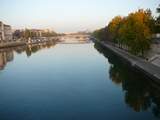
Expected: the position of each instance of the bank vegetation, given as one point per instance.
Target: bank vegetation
(133, 32)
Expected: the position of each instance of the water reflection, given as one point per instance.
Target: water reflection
(7, 54)
(140, 92)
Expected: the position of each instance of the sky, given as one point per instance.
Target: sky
(68, 15)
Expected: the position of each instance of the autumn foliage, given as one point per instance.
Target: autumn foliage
(132, 32)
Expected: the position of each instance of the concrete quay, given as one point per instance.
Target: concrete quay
(22, 43)
(142, 65)
(12, 44)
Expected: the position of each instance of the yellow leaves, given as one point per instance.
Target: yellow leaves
(114, 23)
(114, 26)
(133, 30)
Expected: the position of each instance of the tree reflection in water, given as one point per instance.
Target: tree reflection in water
(7, 54)
(140, 92)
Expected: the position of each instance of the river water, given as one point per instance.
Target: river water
(73, 82)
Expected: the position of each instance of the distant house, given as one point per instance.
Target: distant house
(1, 31)
(5, 32)
(8, 32)
(36, 32)
(156, 38)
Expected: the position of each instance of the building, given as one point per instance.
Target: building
(5, 32)
(1, 31)
(36, 32)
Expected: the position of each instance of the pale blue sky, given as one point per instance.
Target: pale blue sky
(67, 15)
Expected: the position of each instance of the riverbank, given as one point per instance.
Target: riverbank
(147, 68)
(12, 44)
(21, 43)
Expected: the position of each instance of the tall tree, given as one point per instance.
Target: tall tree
(113, 28)
(157, 23)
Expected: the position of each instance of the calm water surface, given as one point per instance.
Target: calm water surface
(73, 82)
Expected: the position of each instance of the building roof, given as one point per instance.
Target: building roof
(6, 25)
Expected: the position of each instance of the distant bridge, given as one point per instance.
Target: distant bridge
(74, 38)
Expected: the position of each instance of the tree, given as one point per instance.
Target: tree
(27, 33)
(157, 27)
(158, 9)
(114, 26)
(139, 32)
(133, 31)
(101, 34)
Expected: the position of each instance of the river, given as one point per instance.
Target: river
(73, 82)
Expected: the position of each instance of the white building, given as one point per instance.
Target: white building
(1, 31)
(5, 32)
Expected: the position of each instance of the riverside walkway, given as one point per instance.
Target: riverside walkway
(24, 42)
(12, 44)
(149, 69)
